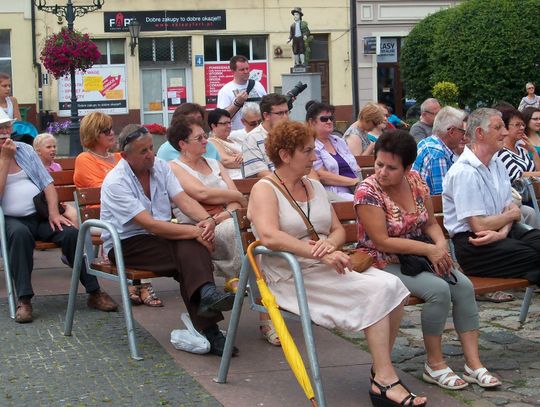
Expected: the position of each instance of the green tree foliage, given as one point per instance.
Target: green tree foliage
(488, 48)
(447, 93)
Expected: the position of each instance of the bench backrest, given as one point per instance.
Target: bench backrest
(67, 163)
(88, 201)
(61, 178)
(245, 185)
(366, 164)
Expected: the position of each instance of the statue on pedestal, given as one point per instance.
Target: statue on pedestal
(300, 37)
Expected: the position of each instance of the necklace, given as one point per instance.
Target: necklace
(99, 155)
(295, 201)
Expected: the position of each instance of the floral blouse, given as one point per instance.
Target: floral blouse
(398, 222)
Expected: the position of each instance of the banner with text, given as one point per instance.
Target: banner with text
(218, 74)
(99, 88)
(166, 20)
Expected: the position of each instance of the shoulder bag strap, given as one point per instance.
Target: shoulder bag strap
(311, 230)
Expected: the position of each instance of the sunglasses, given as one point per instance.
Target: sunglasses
(107, 131)
(133, 136)
(325, 119)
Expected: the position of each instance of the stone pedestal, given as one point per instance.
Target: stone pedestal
(312, 92)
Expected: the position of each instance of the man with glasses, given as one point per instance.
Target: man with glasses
(274, 109)
(479, 212)
(436, 153)
(136, 199)
(23, 177)
(240, 90)
(423, 127)
(250, 116)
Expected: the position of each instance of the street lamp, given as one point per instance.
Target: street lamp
(134, 30)
(70, 12)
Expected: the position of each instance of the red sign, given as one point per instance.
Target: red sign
(218, 74)
(176, 95)
(110, 82)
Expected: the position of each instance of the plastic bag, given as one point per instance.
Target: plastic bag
(189, 340)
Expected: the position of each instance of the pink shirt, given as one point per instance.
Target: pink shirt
(54, 167)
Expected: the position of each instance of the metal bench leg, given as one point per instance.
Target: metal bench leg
(75, 275)
(7, 272)
(233, 323)
(305, 318)
(525, 304)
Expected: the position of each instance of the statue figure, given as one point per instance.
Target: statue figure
(300, 36)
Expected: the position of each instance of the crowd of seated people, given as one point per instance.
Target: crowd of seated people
(471, 161)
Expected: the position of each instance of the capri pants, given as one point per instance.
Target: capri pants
(437, 295)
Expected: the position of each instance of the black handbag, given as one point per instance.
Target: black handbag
(42, 208)
(412, 265)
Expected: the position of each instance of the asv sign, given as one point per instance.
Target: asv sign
(387, 50)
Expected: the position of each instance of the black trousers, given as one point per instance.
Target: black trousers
(22, 234)
(187, 261)
(518, 255)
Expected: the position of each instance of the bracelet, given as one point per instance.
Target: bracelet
(237, 104)
(211, 217)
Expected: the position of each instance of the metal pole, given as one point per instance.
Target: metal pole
(74, 140)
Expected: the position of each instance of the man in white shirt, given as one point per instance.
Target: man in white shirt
(274, 109)
(479, 214)
(136, 199)
(250, 116)
(234, 94)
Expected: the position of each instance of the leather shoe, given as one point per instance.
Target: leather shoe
(24, 312)
(214, 303)
(102, 301)
(217, 340)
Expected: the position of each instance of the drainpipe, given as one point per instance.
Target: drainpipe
(36, 63)
(354, 59)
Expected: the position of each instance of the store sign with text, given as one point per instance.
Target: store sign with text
(164, 20)
(99, 88)
(218, 74)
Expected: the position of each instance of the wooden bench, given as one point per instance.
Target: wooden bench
(67, 163)
(366, 164)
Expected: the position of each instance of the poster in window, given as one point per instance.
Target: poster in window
(100, 88)
(218, 74)
(176, 95)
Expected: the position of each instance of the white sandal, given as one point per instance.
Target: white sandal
(481, 377)
(445, 378)
(270, 335)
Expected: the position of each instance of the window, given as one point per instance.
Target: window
(5, 52)
(112, 52)
(168, 49)
(222, 48)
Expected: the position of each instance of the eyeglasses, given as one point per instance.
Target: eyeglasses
(107, 131)
(517, 125)
(281, 113)
(461, 130)
(224, 123)
(427, 111)
(132, 136)
(253, 123)
(325, 119)
(198, 139)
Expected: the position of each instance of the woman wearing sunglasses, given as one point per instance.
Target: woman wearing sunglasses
(91, 167)
(335, 166)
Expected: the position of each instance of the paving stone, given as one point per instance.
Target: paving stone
(451, 350)
(400, 353)
(90, 368)
(535, 365)
(500, 337)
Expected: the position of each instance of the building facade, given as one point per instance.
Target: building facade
(182, 54)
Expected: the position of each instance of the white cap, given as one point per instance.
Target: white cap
(4, 118)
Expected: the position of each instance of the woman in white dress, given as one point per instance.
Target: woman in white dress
(219, 121)
(338, 298)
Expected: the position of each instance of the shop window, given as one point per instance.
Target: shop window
(5, 52)
(169, 49)
(112, 52)
(222, 48)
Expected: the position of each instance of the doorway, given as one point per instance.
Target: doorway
(163, 90)
(318, 62)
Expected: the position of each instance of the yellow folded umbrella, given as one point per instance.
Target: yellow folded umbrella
(287, 343)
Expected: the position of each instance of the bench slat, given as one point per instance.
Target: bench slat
(105, 266)
(245, 185)
(61, 178)
(67, 163)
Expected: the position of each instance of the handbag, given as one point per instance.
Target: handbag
(42, 208)
(412, 264)
(361, 261)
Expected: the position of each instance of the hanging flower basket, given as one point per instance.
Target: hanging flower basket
(68, 49)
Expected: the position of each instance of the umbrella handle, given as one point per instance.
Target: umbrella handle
(251, 258)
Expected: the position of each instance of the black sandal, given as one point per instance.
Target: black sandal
(382, 400)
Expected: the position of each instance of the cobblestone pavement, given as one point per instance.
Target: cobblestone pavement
(41, 367)
(509, 350)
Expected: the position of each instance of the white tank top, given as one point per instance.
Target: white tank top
(18, 199)
(9, 108)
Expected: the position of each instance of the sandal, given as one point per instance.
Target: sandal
(151, 300)
(496, 297)
(445, 378)
(231, 285)
(269, 334)
(382, 400)
(134, 292)
(481, 377)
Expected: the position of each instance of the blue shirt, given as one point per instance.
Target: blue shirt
(168, 153)
(433, 161)
(31, 164)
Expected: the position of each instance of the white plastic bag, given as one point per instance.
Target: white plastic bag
(189, 339)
